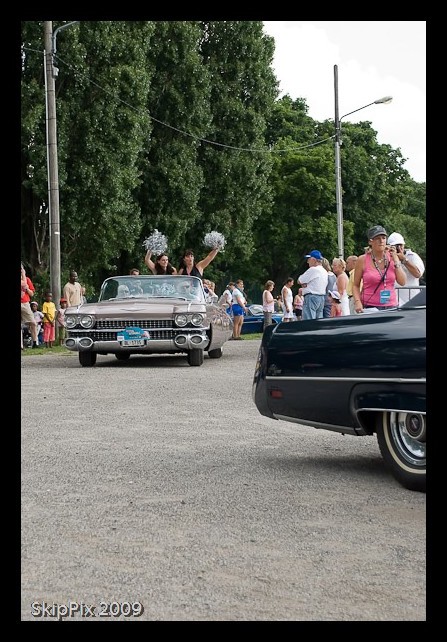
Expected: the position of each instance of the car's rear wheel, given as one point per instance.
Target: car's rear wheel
(402, 442)
(122, 356)
(195, 357)
(87, 359)
(215, 354)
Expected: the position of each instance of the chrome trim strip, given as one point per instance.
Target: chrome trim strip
(314, 424)
(342, 379)
(411, 412)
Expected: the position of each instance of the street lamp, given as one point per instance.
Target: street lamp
(338, 186)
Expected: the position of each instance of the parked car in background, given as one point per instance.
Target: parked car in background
(148, 315)
(356, 375)
(254, 319)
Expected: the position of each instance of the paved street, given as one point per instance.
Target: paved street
(155, 491)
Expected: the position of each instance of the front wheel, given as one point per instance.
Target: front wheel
(402, 442)
(195, 357)
(87, 359)
(122, 356)
(215, 354)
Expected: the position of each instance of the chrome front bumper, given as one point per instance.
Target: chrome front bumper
(182, 342)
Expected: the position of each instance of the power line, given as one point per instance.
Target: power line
(270, 150)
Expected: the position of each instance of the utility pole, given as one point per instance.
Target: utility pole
(52, 165)
(338, 185)
(338, 142)
(51, 72)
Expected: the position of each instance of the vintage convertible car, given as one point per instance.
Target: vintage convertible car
(355, 375)
(145, 315)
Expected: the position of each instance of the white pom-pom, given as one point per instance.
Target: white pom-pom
(156, 243)
(215, 240)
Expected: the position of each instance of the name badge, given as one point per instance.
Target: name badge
(385, 296)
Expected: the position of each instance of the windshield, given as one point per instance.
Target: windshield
(148, 287)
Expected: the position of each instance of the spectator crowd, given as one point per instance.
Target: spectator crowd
(385, 275)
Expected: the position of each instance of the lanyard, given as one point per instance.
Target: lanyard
(385, 270)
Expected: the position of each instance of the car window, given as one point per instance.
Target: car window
(189, 288)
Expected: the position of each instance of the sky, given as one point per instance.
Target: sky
(374, 59)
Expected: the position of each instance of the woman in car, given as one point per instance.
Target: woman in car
(161, 265)
(190, 268)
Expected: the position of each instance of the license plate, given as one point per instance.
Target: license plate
(133, 342)
(132, 337)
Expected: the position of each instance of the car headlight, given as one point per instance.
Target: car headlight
(71, 320)
(197, 319)
(87, 321)
(181, 320)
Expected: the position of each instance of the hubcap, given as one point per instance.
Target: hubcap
(409, 434)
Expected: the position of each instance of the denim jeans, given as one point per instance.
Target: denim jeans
(313, 306)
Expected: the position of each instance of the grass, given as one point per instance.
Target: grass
(43, 350)
(251, 336)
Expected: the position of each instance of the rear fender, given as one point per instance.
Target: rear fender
(367, 404)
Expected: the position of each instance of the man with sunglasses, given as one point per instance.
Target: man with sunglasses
(412, 265)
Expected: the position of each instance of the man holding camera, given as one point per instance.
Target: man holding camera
(412, 265)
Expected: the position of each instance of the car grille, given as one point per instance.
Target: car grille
(120, 324)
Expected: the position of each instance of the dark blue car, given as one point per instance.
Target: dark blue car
(254, 319)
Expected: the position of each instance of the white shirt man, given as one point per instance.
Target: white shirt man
(412, 265)
(314, 282)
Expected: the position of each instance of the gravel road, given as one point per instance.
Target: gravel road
(153, 483)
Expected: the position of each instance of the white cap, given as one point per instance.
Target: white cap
(334, 294)
(396, 239)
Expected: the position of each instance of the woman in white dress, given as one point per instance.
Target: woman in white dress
(287, 299)
(338, 268)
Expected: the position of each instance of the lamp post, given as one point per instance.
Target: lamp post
(51, 71)
(338, 185)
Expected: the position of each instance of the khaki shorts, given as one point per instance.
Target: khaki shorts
(27, 315)
(61, 333)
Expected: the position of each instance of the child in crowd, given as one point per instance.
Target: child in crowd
(38, 315)
(49, 318)
(335, 300)
(60, 322)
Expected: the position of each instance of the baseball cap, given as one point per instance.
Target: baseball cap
(34, 303)
(314, 254)
(334, 294)
(376, 231)
(63, 301)
(396, 239)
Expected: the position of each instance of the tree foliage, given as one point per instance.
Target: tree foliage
(177, 126)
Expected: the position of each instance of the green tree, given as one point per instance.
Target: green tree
(172, 178)
(237, 56)
(104, 125)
